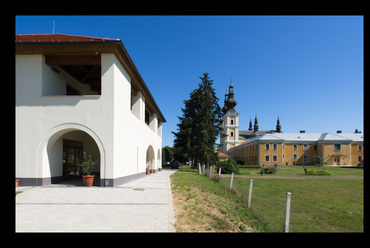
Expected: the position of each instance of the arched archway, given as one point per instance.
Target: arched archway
(62, 147)
(150, 159)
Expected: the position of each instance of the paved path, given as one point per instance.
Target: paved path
(142, 205)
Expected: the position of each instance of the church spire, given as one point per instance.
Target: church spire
(231, 102)
(278, 126)
(255, 124)
(250, 125)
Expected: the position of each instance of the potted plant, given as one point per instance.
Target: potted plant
(86, 166)
(147, 171)
(16, 182)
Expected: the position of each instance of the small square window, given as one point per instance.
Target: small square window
(359, 148)
(267, 146)
(359, 159)
(267, 158)
(274, 158)
(337, 147)
(305, 147)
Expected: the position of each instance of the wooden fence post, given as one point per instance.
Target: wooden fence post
(287, 212)
(210, 172)
(250, 193)
(231, 182)
(219, 171)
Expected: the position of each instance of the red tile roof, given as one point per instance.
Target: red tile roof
(220, 154)
(57, 38)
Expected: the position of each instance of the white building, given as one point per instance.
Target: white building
(79, 94)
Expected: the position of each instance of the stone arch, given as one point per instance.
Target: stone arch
(49, 154)
(150, 157)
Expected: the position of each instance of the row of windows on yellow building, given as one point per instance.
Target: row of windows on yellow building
(276, 149)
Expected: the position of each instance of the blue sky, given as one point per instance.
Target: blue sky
(306, 69)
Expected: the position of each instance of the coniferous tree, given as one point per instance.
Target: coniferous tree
(199, 126)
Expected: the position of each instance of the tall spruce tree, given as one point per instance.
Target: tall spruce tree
(199, 126)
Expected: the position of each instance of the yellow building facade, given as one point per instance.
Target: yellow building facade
(301, 148)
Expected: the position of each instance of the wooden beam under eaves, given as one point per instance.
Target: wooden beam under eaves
(73, 60)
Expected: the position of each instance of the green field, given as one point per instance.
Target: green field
(332, 203)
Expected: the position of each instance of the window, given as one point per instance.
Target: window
(146, 117)
(337, 147)
(295, 146)
(267, 147)
(274, 158)
(295, 156)
(274, 147)
(283, 147)
(283, 156)
(231, 134)
(267, 158)
(359, 148)
(232, 122)
(359, 159)
(315, 147)
(305, 158)
(305, 147)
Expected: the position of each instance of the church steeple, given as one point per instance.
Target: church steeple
(255, 124)
(278, 126)
(250, 125)
(230, 101)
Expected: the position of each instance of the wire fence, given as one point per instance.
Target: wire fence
(228, 181)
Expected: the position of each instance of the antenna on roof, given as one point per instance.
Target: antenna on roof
(53, 26)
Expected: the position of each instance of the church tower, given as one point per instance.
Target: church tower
(229, 137)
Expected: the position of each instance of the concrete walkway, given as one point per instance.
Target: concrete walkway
(142, 205)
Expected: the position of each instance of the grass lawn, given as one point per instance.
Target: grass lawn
(319, 203)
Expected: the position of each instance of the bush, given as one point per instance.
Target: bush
(228, 167)
(315, 173)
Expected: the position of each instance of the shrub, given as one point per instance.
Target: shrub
(268, 170)
(315, 173)
(228, 167)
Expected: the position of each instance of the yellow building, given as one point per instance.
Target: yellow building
(303, 148)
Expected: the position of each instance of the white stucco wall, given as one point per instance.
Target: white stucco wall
(43, 114)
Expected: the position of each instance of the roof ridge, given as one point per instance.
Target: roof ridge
(57, 37)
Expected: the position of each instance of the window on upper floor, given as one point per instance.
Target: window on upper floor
(359, 148)
(337, 147)
(146, 117)
(267, 147)
(274, 147)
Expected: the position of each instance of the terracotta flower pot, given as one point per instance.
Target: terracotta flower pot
(88, 180)
(147, 172)
(151, 171)
(16, 182)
